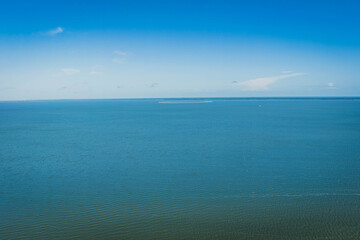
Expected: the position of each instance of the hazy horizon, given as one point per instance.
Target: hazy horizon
(195, 98)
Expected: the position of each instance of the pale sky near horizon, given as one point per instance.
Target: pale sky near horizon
(140, 49)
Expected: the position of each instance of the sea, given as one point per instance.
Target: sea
(212, 169)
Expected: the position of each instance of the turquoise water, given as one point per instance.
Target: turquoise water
(147, 169)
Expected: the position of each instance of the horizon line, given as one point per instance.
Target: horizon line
(190, 98)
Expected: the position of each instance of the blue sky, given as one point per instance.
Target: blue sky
(129, 49)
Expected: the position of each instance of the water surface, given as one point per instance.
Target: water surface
(139, 169)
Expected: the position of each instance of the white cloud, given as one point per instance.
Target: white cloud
(119, 60)
(121, 57)
(95, 73)
(261, 84)
(120, 53)
(55, 31)
(331, 85)
(70, 71)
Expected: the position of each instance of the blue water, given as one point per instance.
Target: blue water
(147, 169)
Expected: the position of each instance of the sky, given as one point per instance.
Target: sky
(160, 49)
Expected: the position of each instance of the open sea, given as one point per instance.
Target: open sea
(209, 169)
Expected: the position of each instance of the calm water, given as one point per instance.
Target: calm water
(140, 169)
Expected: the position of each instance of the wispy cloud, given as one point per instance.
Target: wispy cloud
(119, 60)
(70, 71)
(331, 85)
(121, 57)
(55, 31)
(95, 73)
(120, 53)
(63, 88)
(153, 85)
(262, 84)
